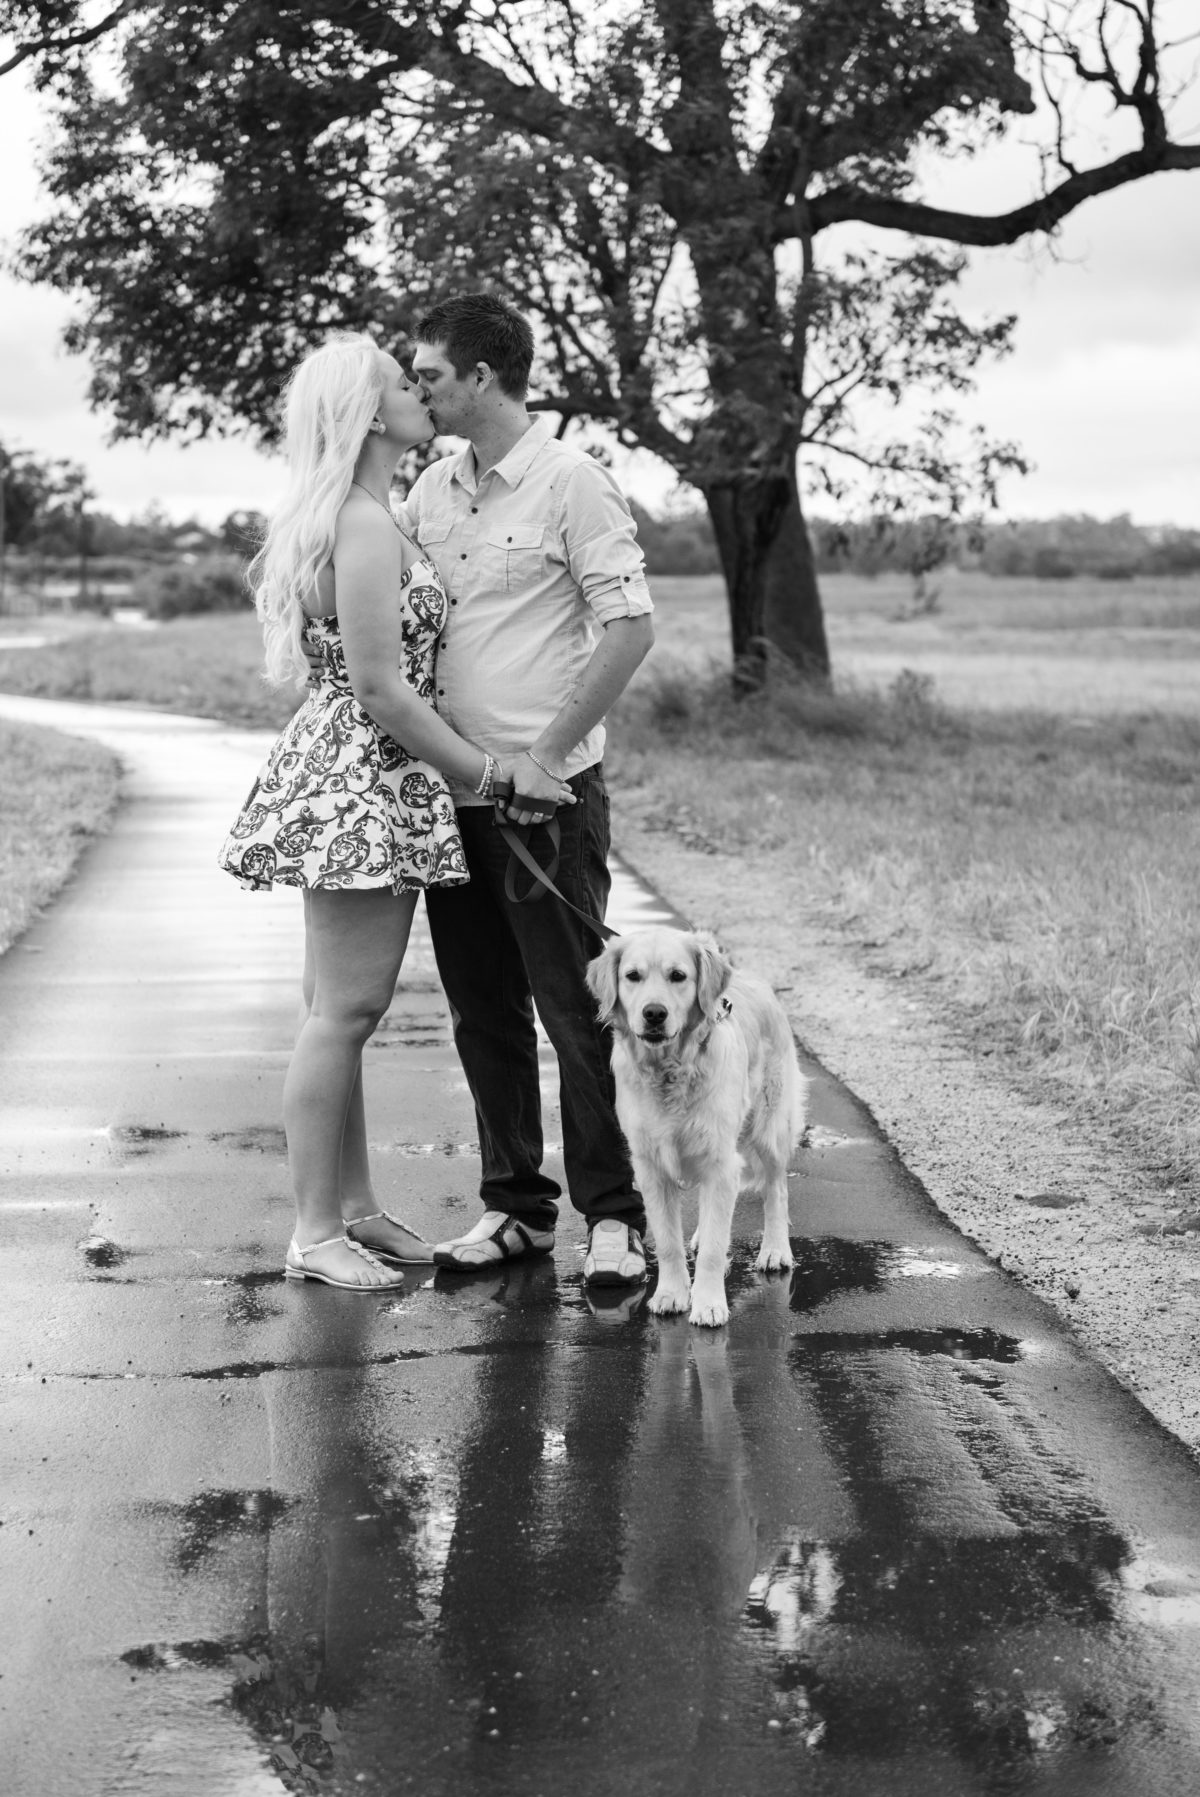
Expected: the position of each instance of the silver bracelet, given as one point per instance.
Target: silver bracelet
(546, 770)
(484, 789)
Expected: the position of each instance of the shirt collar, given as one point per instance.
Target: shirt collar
(511, 468)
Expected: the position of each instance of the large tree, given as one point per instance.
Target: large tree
(656, 180)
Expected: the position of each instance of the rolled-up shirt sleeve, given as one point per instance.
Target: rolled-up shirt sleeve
(600, 539)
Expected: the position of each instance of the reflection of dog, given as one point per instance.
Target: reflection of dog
(708, 1088)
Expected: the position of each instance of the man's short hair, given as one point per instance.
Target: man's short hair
(481, 327)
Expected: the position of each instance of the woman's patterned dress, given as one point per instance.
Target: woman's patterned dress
(338, 803)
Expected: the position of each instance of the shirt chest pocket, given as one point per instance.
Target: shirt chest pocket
(515, 554)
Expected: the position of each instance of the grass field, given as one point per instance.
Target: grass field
(56, 793)
(1000, 796)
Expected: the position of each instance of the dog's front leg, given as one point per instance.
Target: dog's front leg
(663, 1208)
(718, 1195)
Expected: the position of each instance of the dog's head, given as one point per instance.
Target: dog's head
(657, 984)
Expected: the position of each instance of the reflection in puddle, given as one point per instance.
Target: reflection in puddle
(211, 1516)
(956, 1344)
(699, 1563)
(828, 1266)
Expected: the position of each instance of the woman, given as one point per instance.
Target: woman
(340, 809)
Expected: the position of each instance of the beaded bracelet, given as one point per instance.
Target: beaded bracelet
(484, 789)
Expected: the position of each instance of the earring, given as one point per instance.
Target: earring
(377, 425)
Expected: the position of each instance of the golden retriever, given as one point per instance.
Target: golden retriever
(709, 1093)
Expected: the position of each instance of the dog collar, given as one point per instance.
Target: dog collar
(725, 1007)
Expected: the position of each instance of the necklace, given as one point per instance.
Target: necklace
(379, 502)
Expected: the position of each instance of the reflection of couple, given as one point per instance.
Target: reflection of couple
(467, 634)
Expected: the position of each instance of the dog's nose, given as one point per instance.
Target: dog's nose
(654, 1014)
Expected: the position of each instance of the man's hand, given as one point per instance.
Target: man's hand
(532, 783)
(314, 661)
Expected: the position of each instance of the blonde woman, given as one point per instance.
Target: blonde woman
(340, 808)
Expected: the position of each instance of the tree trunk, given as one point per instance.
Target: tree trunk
(771, 578)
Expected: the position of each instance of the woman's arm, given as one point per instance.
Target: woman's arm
(368, 564)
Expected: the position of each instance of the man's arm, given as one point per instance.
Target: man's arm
(600, 539)
(613, 662)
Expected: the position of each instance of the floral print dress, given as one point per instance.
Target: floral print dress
(339, 804)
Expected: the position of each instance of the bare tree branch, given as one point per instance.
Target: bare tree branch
(844, 203)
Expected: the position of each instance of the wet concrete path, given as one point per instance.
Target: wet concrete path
(890, 1532)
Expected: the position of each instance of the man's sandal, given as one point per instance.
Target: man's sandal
(495, 1238)
(392, 1255)
(296, 1267)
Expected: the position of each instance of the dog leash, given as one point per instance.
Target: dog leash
(516, 838)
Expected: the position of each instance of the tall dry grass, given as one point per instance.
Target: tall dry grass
(1041, 873)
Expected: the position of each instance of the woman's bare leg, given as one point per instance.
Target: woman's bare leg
(358, 1191)
(355, 946)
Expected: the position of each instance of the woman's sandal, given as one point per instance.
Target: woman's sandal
(297, 1269)
(390, 1254)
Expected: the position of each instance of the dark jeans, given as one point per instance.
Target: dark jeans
(496, 960)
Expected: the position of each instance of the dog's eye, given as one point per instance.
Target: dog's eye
(633, 974)
(677, 976)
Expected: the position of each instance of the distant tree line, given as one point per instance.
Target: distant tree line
(682, 542)
(51, 534)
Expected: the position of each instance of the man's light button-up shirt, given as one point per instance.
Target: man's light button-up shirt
(536, 555)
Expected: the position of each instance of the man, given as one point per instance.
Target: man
(536, 547)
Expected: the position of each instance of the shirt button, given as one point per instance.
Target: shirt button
(441, 692)
(454, 602)
(474, 508)
(463, 556)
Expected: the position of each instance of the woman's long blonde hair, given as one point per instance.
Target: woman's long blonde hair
(330, 401)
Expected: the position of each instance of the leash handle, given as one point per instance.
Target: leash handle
(517, 840)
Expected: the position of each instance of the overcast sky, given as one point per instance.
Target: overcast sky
(1103, 392)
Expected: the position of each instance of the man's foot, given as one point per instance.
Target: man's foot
(496, 1237)
(390, 1238)
(615, 1255)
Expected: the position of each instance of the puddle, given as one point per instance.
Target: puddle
(98, 1251)
(211, 1515)
(129, 1140)
(818, 1138)
(262, 1139)
(448, 1149)
(828, 1266)
(1050, 1200)
(956, 1344)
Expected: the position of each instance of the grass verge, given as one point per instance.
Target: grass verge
(57, 794)
(206, 667)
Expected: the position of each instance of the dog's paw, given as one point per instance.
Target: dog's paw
(669, 1300)
(774, 1260)
(709, 1313)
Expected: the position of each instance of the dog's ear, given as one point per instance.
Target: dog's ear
(713, 971)
(601, 976)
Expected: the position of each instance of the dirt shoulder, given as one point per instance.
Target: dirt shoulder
(1043, 1193)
